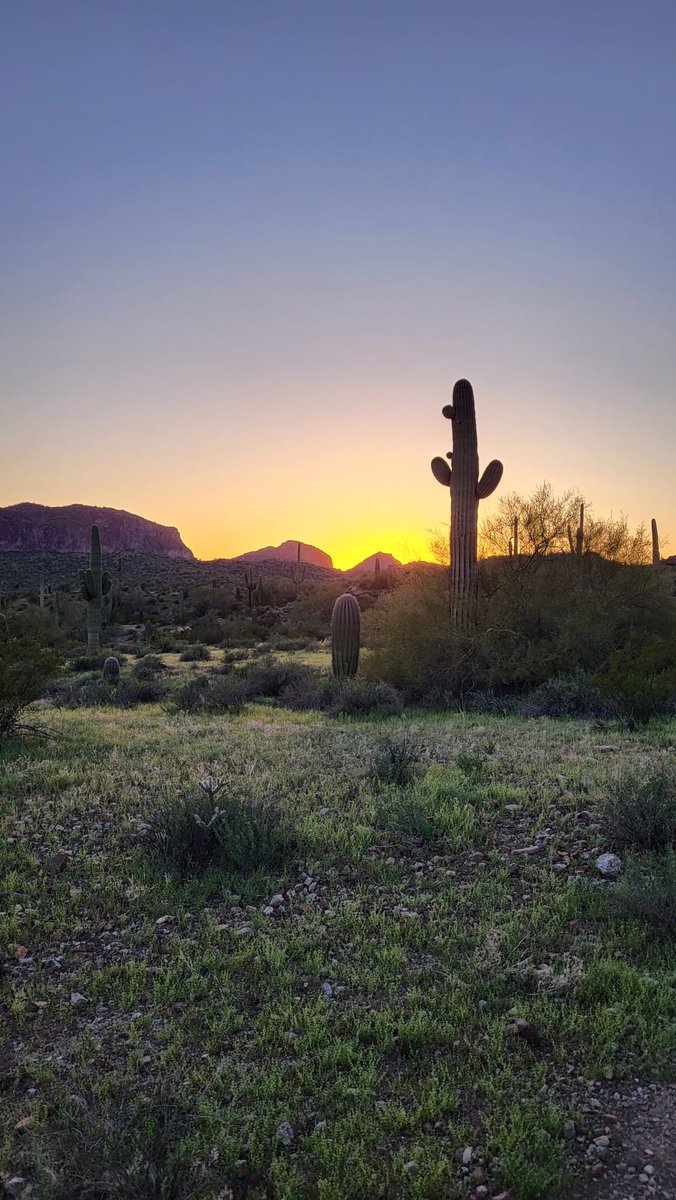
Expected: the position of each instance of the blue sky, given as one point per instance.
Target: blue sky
(247, 248)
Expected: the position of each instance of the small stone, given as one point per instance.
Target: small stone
(602, 1142)
(598, 1169)
(77, 998)
(243, 931)
(163, 921)
(649, 1169)
(643, 1178)
(277, 900)
(411, 1168)
(57, 862)
(467, 1156)
(285, 1133)
(609, 865)
(569, 1130)
(327, 989)
(268, 911)
(481, 1191)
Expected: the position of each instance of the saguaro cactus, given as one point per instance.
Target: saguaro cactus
(467, 489)
(656, 543)
(577, 546)
(94, 585)
(345, 631)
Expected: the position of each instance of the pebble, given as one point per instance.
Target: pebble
(285, 1133)
(467, 1156)
(609, 865)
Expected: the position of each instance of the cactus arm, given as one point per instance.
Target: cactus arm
(441, 471)
(489, 480)
(90, 583)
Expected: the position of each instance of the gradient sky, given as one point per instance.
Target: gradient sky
(248, 246)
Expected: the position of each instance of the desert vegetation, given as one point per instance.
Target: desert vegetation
(323, 887)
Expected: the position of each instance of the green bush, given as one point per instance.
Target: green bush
(211, 693)
(195, 653)
(568, 696)
(394, 759)
(356, 697)
(407, 816)
(646, 892)
(640, 811)
(25, 670)
(640, 676)
(217, 828)
(559, 618)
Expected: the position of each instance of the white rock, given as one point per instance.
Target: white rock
(609, 865)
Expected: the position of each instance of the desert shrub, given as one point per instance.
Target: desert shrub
(115, 1145)
(560, 617)
(281, 642)
(641, 676)
(271, 676)
(140, 691)
(25, 670)
(215, 693)
(236, 655)
(568, 696)
(148, 667)
(195, 653)
(394, 759)
(215, 827)
(355, 697)
(208, 629)
(91, 662)
(410, 639)
(472, 762)
(646, 891)
(405, 815)
(640, 811)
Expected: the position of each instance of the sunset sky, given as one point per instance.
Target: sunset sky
(248, 245)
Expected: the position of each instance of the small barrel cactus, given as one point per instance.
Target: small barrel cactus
(345, 631)
(111, 670)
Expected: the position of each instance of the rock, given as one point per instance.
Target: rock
(77, 998)
(57, 862)
(609, 865)
(163, 921)
(327, 989)
(411, 1168)
(277, 900)
(467, 1156)
(569, 1130)
(285, 1133)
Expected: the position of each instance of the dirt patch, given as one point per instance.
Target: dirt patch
(633, 1154)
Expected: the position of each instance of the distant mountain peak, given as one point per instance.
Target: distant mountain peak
(288, 552)
(384, 561)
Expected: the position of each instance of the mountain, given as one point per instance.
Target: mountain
(67, 529)
(288, 552)
(367, 566)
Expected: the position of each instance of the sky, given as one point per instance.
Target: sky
(247, 246)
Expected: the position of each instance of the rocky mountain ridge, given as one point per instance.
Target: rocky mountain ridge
(66, 529)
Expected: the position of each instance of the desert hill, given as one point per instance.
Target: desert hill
(288, 552)
(367, 566)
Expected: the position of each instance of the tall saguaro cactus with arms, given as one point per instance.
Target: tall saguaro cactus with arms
(95, 583)
(466, 489)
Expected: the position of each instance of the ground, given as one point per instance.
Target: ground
(430, 997)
